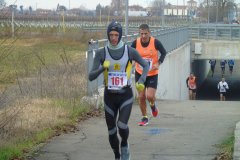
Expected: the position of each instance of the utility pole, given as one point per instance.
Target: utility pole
(217, 13)
(100, 16)
(126, 18)
(163, 18)
(12, 23)
(207, 11)
(13, 8)
(63, 19)
(207, 17)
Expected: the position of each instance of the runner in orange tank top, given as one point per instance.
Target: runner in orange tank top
(152, 50)
(192, 86)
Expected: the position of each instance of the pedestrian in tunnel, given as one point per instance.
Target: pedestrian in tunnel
(115, 62)
(212, 63)
(222, 87)
(149, 48)
(222, 65)
(230, 65)
(192, 86)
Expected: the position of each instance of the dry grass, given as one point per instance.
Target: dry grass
(28, 117)
(42, 82)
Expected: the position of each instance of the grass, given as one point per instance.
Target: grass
(53, 66)
(9, 152)
(26, 59)
(17, 150)
(226, 149)
(40, 121)
(24, 54)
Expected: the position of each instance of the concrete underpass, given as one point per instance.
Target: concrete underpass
(207, 89)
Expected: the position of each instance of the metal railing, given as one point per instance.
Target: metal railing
(216, 31)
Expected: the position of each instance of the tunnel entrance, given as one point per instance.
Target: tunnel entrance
(207, 90)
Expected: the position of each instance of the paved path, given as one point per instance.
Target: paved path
(184, 130)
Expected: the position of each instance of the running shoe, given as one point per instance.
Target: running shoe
(154, 110)
(143, 122)
(125, 154)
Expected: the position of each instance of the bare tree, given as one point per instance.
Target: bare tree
(219, 10)
(30, 9)
(118, 6)
(2, 4)
(21, 9)
(157, 7)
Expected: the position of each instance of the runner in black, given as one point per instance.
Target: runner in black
(115, 62)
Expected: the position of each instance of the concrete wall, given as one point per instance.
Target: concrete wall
(215, 49)
(173, 73)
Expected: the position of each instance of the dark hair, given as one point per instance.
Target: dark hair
(144, 26)
(115, 26)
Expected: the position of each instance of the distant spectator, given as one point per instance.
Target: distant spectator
(235, 22)
(222, 64)
(192, 86)
(222, 87)
(230, 65)
(212, 63)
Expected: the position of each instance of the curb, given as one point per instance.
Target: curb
(236, 151)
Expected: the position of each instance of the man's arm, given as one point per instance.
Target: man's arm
(96, 70)
(187, 81)
(161, 49)
(134, 44)
(227, 86)
(134, 55)
(196, 82)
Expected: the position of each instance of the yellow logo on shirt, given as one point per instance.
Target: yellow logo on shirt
(117, 67)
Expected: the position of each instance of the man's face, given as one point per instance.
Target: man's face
(145, 35)
(113, 35)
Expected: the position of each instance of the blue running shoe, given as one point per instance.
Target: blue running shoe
(125, 154)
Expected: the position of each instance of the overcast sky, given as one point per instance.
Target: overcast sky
(90, 4)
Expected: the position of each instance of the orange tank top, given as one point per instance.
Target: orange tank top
(150, 54)
(192, 83)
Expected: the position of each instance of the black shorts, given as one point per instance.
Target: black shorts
(151, 81)
(223, 93)
(193, 90)
(212, 68)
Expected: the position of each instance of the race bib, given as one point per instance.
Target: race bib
(117, 80)
(150, 63)
(222, 89)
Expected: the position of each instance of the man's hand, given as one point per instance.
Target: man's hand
(140, 87)
(106, 64)
(156, 66)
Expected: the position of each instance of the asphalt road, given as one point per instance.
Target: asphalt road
(184, 130)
